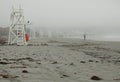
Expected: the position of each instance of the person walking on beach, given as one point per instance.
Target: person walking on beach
(84, 36)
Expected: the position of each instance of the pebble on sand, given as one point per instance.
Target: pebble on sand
(82, 62)
(96, 78)
(24, 71)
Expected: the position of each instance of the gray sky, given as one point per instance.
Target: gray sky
(97, 16)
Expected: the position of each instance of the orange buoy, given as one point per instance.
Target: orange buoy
(27, 37)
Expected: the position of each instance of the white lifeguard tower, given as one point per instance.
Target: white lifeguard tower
(17, 28)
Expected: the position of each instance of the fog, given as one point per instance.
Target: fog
(99, 19)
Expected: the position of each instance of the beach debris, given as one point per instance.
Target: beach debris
(33, 44)
(82, 62)
(18, 67)
(5, 59)
(44, 44)
(72, 64)
(7, 76)
(90, 61)
(55, 62)
(64, 75)
(24, 71)
(96, 78)
(19, 59)
(97, 61)
(4, 63)
(27, 58)
(38, 62)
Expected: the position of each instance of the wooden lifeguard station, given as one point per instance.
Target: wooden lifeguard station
(17, 28)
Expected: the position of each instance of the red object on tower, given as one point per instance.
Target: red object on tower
(27, 37)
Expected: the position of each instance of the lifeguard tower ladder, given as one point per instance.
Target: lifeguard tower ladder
(17, 28)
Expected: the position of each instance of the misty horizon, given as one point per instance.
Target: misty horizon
(98, 18)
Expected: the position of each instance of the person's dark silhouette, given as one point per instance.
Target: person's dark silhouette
(84, 36)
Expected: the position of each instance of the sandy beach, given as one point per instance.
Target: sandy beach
(61, 60)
